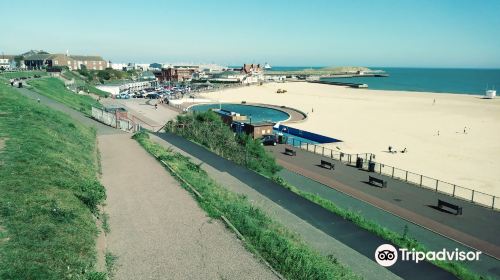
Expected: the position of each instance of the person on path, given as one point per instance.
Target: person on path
(38, 100)
(156, 106)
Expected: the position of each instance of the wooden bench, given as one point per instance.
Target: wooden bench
(372, 180)
(290, 152)
(327, 164)
(442, 203)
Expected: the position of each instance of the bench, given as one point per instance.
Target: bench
(372, 180)
(327, 164)
(442, 203)
(290, 152)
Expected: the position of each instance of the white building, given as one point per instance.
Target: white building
(4, 63)
(117, 66)
(135, 86)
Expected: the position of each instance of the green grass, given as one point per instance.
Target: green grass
(11, 75)
(283, 250)
(55, 89)
(83, 84)
(92, 89)
(48, 193)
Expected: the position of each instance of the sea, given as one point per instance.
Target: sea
(438, 80)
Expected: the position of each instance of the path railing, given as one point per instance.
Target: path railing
(369, 163)
(327, 152)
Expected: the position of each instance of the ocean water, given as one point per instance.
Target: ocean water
(461, 81)
(257, 113)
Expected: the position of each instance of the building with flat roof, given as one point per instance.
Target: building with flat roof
(131, 86)
(73, 62)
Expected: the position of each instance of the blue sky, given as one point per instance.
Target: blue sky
(425, 33)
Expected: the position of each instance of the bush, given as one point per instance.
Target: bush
(207, 129)
(92, 193)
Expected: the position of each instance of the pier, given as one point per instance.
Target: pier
(352, 85)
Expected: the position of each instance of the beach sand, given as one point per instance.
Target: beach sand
(372, 120)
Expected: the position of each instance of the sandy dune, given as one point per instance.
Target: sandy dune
(370, 121)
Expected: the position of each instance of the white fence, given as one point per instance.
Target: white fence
(114, 120)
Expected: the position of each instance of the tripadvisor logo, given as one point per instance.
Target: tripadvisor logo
(387, 255)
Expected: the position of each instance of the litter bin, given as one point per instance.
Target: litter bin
(371, 166)
(282, 139)
(359, 162)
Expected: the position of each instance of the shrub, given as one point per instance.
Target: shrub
(207, 129)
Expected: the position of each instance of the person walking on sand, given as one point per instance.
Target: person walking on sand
(434, 102)
(438, 132)
(156, 106)
(465, 130)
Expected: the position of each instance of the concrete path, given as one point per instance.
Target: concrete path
(275, 201)
(157, 229)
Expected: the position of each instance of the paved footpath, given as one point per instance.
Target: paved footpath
(157, 229)
(321, 229)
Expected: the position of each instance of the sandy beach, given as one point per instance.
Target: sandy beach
(429, 125)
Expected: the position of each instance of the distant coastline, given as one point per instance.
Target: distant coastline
(433, 80)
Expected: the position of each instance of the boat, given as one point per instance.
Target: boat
(267, 66)
(490, 93)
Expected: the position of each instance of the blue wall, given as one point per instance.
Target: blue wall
(307, 135)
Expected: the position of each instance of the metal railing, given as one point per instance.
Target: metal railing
(413, 178)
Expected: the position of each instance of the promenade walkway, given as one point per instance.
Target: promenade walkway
(486, 265)
(321, 229)
(478, 227)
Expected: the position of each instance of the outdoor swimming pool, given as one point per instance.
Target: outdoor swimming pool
(256, 113)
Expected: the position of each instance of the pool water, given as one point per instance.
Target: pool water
(298, 139)
(256, 113)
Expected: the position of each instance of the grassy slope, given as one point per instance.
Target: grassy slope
(55, 89)
(81, 82)
(283, 250)
(10, 75)
(48, 191)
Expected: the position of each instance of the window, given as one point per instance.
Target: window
(69, 62)
(56, 62)
(100, 62)
(85, 62)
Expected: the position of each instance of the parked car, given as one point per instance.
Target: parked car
(153, 96)
(269, 139)
(123, 96)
